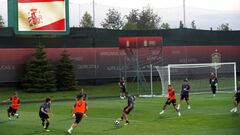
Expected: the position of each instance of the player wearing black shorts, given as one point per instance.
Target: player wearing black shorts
(79, 109)
(236, 100)
(171, 100)
(128, 108)
(44, 112)
(12, 110)
(213, 82)
(185, 94)
(122, 85)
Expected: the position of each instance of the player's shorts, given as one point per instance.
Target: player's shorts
(184, 96)
(237, 100)
(78, 117)
(12, 110)
(129, 110)
(173, 101)
(123, 89)
(43, 115)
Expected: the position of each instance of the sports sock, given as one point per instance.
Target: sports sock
(70, 128)
(43, 122)
(47, 124)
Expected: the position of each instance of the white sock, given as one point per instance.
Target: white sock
(178, 106)
(70, 128)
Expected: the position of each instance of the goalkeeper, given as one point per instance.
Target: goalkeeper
(213, 82)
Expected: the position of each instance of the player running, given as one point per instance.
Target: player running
(213, 82)
(236, 100)
(44, 113)
(79, 109)
(128, 108)
(12, 110)
(122, 85)
(171, 99)
(185, 94)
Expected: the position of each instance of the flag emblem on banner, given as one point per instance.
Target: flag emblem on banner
(34, 17)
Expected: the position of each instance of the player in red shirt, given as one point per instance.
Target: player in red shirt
(171, 99)
(12, 110)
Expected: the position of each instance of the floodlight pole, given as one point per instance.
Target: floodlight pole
(93, 13)
(184, 18)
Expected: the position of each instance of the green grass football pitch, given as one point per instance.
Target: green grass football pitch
(208, 116)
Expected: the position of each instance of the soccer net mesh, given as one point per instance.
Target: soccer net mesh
(198, 76)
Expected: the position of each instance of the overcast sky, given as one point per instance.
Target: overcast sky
(206, 13)
(205, 4)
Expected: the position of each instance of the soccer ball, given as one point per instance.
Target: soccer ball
(117, 123)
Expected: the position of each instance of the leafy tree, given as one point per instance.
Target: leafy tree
(224, 27)
(165, 26)
(113, 20)
(39, 73)
(148, 19)
(65, 73)
(1, 21)
(193, 25)
(86, 21)
(132, 20)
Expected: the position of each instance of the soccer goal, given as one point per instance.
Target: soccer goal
(198, 76)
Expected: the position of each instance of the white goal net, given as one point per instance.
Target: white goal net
(198, 76)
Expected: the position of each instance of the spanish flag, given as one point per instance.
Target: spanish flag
(41, 15)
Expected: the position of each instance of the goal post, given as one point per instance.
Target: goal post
(198, 76)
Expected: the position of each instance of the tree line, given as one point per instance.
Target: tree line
(41, 76)
(146, 19)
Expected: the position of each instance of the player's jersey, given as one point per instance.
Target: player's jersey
(213, 81)
(45, 107)
(122, 84)
(15, 102)
(238, 93)
(171, 93)
(185, 89)
(80, 106)
(131, 100)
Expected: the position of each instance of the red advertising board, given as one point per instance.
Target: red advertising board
(139, 42)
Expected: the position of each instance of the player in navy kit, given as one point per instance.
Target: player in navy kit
(128, 108)
(122, 85)
(236, 100)
(185, 93)
(44, 112)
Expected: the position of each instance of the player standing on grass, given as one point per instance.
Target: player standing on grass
(171, 99)
(83, 94)
(185, 94)
(12, 110)
(79, 109)
(236, 100)
(122, 85)
(44, 112)
(128, 108)
(213, 82)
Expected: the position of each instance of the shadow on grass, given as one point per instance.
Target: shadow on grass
(2, 122)
(235, 114)
(38, 132)
(114, 128)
